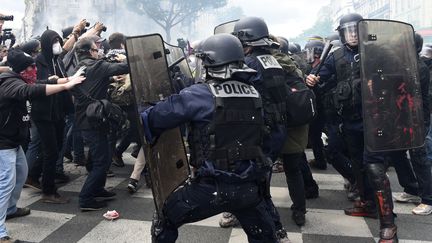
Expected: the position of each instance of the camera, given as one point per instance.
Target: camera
(104, 28)
(87, 24)
(7, 18)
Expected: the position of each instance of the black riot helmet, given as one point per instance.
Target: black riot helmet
(252, 31)
(418, 42)
(221, 49)
(348, 29)
(293, 48)
(284, 44)
(313, 49)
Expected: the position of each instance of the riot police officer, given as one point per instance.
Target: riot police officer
(343, 64)
(270, 83)
(328, 118)
(226, 132)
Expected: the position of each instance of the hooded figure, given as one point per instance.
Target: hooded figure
(48, 114)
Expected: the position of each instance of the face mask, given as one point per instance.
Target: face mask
(29, 76)
(57, 49)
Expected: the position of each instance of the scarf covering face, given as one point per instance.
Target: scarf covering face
(29, 76)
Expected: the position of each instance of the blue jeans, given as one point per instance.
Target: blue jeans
(67, 142)
(13, 173)
(428, 142)
(100, 153)
(33, 150)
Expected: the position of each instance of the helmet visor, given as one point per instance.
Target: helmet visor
(349, 31)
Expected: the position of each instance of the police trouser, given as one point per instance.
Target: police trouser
(335, 154)
(376, 184)
(197, 201)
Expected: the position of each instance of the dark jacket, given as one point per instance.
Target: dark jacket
(53, 107)
(13, 116)
(98, 75)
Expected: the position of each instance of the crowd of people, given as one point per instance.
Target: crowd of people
(236, 141)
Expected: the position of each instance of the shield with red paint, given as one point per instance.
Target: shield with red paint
(391, 94)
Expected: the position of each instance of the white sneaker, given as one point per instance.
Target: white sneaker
(407, 198)
(422, 209)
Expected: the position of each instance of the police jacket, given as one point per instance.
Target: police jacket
(270, 83)
(226, 125)
(340, 75)
(98, 73)
(13, 116)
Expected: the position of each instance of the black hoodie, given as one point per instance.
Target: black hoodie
(54, 107)
(13, 116)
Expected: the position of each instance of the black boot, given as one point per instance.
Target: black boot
(384, 202)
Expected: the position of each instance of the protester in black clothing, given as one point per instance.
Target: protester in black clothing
(48, 115)
(98, 73)
(16, 87)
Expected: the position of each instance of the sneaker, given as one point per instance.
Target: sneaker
(317, 165)
(407, 198)
(422, 209)
(117, 160)
(54, 198)
(19, 213)
(93, 206)
(6, 239)
(33, 184)
(299, 218)
(132, 186)
(282, 236)
(61, 178)
(362, 209)
(277, 167)
(105, 195)
(110, 173)
(312, 192)
(228, 220)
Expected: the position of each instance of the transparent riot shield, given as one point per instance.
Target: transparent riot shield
(151, 83)
(391, 95)
(227, 27)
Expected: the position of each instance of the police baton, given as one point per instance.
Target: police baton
(328, 46)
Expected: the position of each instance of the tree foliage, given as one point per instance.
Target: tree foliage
(323, 27)
(169, 13)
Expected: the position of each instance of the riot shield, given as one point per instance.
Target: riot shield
(390, 86)
(151, 83)
(227, 27)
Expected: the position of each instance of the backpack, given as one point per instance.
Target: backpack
(300, 101)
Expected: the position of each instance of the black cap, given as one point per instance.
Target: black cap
(18, 60)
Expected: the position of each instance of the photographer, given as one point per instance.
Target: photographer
(98, 73)
(15, 88)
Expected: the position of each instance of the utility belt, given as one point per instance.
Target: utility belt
(225, 159)
(347, 99)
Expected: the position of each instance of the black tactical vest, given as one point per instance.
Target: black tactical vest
(347, 93)
(273, 89)
(236, 131)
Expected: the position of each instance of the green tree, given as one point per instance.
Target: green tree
(323, 27)
(169, 13)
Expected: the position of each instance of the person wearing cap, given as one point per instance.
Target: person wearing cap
(16, 87)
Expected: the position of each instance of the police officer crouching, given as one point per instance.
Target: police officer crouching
(227, 126)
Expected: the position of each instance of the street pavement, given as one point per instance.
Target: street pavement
(325, 220)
